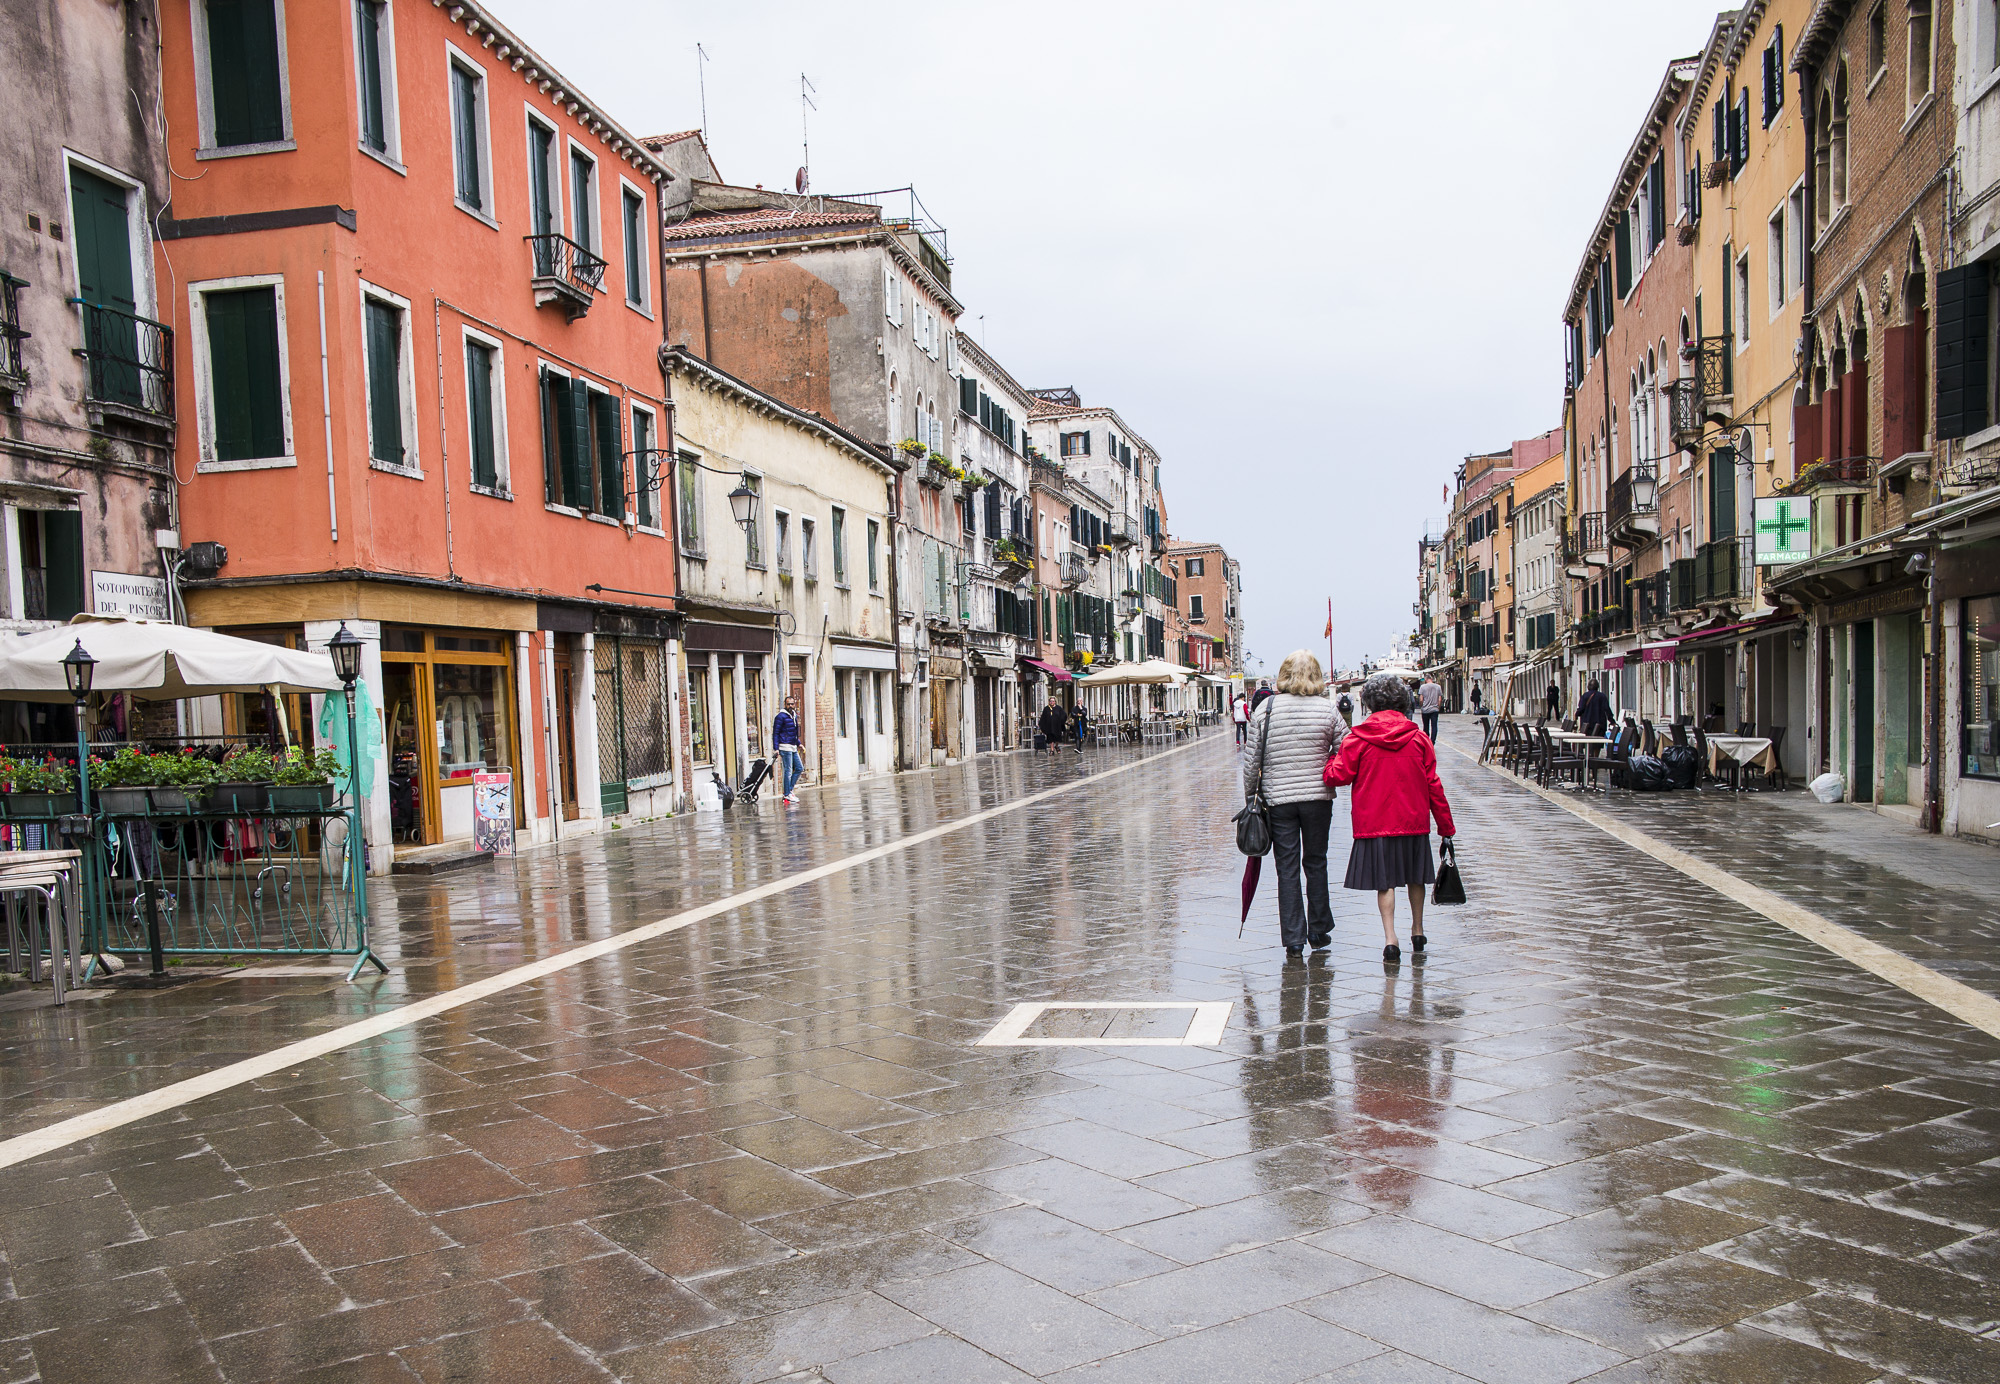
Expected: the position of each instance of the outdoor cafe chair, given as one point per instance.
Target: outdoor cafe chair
(1652, 741)
(40, 893)
(1559, 762)
(1755, 774)
(1679, 729)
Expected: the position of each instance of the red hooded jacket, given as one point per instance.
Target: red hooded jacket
(1394, 772)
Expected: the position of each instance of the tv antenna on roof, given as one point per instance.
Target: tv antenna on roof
(701, 79)
(806, 92)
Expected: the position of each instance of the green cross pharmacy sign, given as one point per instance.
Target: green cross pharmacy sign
(1784, 530)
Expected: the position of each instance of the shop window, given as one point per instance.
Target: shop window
(1979, 663)
(698, 717)
(633, 732)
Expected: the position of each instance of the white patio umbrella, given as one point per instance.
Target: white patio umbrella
(155, 660)
(1153, 672)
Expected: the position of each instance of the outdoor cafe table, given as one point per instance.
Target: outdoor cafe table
(1741, 750)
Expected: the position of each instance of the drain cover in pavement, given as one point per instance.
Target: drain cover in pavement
(1140, 1024)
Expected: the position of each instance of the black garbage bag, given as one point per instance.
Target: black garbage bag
(1683, 765)
(1645, 774)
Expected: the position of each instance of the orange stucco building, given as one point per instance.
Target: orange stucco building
(413, 277)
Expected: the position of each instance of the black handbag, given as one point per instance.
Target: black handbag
(1449, 887)
(1253, 823)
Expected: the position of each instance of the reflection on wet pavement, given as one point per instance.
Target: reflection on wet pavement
(1612, 1127)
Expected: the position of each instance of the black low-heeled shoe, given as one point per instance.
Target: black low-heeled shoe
(1392, 953)
(1416, 941)
(1322, 942)
(1294, 953)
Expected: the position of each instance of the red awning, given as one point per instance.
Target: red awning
(1772, 623)
(1060, 674)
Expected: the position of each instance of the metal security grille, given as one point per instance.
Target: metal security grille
(632, 720)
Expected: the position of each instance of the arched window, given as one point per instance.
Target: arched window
(1837, 140)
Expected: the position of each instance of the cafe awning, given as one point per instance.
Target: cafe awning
(1054, 670)
(1728, 634)
(155, 660)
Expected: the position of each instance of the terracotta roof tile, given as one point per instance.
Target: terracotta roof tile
(721, 223)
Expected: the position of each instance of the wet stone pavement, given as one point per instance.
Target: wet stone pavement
(1614, 1127)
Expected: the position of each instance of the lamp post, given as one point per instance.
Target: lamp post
(345, 650)
(79, 669)
(743, 502)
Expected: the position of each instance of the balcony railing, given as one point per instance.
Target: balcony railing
(1156, 543)
(1722, 570)
(1684, 411)
(1713, 369)
(1838, 471)
(130, 360)
(1584, 537)
(1682, 584)
(12, 369)
(1075, 568)
(1122, 531)
(1632, 509)
(565, 272)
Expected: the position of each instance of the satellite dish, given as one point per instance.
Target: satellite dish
(801, 181)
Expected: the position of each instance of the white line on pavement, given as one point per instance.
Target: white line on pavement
(1955, 998)
(35, 1143)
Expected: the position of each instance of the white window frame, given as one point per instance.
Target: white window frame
(781, 541)
(1798, 241)
(694, 544)
(643, 305)
(572, 148)
(392, 115)
(1777, 259)
(544, 365)
(593, 390)
(204, 90)
(652, 416)
(138, 229)
(204, 402)
(836, 535)
(1741, 326)
(872, 539)
(456, 57)
(1195, 611)
(753, 532)
(503, 470)
(555, 171)
(892, 294)
(808, 549)
(1914, 101)
(406, 383)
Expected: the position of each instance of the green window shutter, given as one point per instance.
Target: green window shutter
(555, 408)
(374, 123)
(103, 239)
(576, 455)
(645, 468)
(385, 382)
(244, 397)
(479, 403)
(541, 202)
(610, 456)
(246, 94)
(583, 200)
(1962, 349)
(467, 182)
(635, 236)
(968, 395)
(62, 556)
(1621, 241)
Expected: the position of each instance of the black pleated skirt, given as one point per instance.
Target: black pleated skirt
(1390, 862)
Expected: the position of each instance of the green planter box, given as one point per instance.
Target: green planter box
(301, 797)
(246, 798)
(37, 805)
(123, 802)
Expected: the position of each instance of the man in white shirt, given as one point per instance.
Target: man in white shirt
(1430, 700)
(1239, 711)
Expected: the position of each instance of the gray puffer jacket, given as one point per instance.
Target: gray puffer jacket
(1306, 732)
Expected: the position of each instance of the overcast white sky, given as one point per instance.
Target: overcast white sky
(1314, 253)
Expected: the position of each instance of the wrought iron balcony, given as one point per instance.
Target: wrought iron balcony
(1723, 571)
(1682, 584)
(1714, 372)
(1156, 543)
(131, 363)
(1583, 541)
(1684, 412)
(1632, 516)
(1838, 471)
(1075, 568)
(13, 371)
(1122, 531)
(565, 273)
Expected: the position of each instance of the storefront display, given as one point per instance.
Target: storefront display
(447, 699)
(1979, 664)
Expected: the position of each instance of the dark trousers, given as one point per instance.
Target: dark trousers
(1242, 731)
(1300, 830)
(1431, 725)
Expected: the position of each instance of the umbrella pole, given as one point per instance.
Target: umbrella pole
(356, 860)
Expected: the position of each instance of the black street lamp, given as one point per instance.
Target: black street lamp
(743, 502)
(345, 651)
(78, 670)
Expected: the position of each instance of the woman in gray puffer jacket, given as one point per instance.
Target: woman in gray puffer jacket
(1304, 730)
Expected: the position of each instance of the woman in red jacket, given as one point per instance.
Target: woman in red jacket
(1393, 769)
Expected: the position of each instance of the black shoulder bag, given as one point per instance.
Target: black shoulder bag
(1253, 825)
(1449, 887)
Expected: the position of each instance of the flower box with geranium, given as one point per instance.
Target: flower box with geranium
(37, 788)
(242, 783)
(303, 781)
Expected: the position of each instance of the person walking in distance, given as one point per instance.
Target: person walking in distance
(1555, 700)
(1593, 710)
(1051, 723)
(1082, 726)
(1430, 701)
(785, 735)
(1239, 712)
(1291, 739)
(1396, 794)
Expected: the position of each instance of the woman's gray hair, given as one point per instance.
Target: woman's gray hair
(1386, 692)
(1300, 675)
